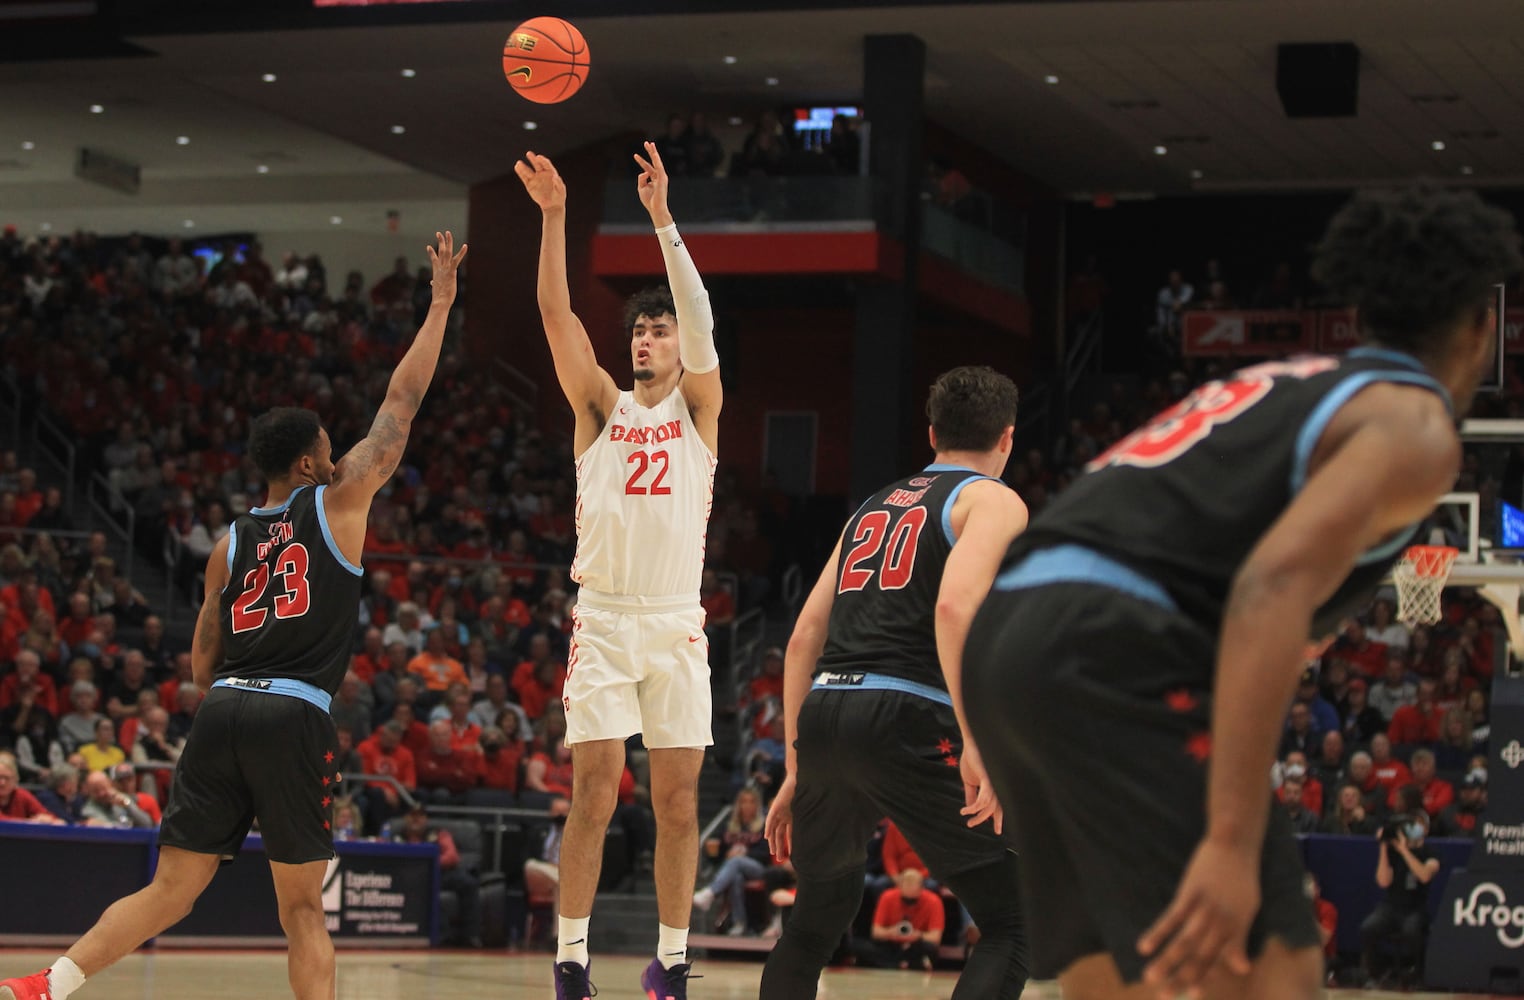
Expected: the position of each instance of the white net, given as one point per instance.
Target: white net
(1420, 577)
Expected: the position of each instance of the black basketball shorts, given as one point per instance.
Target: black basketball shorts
(252, 755)
(867, 754)
(1092, 709)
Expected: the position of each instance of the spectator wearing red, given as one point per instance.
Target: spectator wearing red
(1296, 766)
(769, 680)
(22, 601)
(371, 659)
(465, 734)
(1453, 685)
(1388, 771)
(169, 691)
(444, 771)
(518, 563)
(540, 679)
(435, 668)
(1437, 792)
(719, 606)
(907, 925)
(1327, 916)
(16, 803)
(75, 627)
(28, 497)
(501, 760)
(384, 754)
(415, 734)
(385, 551)
(29, 679)
(1418, 722)
(550, 771)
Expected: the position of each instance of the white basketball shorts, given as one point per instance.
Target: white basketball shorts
(637, 666)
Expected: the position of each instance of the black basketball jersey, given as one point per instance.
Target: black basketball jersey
(883, 619)
(290, 603)
(1184, 499)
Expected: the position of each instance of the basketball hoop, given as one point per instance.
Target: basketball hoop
(1420, 576)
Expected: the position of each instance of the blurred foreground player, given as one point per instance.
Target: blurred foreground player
(1128, 674)
(875, 734)
(272, 643)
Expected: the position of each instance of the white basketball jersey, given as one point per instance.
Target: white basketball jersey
(644, 491)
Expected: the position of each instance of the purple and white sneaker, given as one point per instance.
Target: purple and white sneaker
(661, 983)
(572, 983)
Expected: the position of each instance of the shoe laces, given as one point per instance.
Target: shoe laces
(571, 970)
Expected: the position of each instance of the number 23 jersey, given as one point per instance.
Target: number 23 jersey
(289, 606)
(1185, 498)
(645, 487)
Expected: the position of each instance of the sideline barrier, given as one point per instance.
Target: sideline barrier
(60, 878)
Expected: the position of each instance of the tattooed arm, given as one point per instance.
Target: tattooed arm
(369, 464)
(206, 644)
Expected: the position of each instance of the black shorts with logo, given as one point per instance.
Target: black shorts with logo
(1091, 709)
(254, 755)
(867, 754)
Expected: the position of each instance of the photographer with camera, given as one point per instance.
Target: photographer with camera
(1404, 868)
(907, 926)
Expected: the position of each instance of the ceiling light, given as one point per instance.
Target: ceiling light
(1160, 150)
(182, 140)
(96, 109)
(189, 224)
(735, 119)
(1050, 79)
(335, 219)
(1438, 145)
(1467, 170)
(46, 227)
(531, 126)
(28, 144)
(262, 169)
(772, 81)
(730, 60)
(409, 73)
(268, 78)
(1196, 175)
(398, 130)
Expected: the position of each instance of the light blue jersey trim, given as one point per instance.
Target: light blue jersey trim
(947, 528)
(1077, 564)
(232, 547)
(333, 546)
(309, 693)
(263, 511)
(852, 680)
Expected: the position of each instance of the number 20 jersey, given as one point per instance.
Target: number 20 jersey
(888, 575)
(291, 599)
(1184, 499)
(645, 487)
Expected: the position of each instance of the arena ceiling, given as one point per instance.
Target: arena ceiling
(1195, 77)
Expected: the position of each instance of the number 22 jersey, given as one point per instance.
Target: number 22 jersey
(1184, 499)
(645, 487)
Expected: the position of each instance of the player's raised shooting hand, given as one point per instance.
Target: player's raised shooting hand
(1207, 923)
(445, 261)
(979, 798)
(780, 821)
(652, 186)
(542, 182)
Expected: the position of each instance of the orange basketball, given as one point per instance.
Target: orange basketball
(546, 59)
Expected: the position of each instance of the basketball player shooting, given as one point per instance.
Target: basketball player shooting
(875, 734)
(639, 661)
(1128, 675)
(272, 644)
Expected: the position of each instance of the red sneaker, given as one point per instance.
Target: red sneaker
(33, 987)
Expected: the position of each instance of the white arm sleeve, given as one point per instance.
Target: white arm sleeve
(695, 318)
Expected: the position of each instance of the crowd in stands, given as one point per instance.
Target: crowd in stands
(689, 148)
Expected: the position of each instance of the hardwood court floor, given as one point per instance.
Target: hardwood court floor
(446, 975)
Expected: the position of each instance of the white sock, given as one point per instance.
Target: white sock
(64, 978)
(571, 943)
(671, 945)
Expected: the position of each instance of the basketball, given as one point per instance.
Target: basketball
(545, 59)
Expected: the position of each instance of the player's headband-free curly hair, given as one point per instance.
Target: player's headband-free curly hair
(970, 407)
(281, 436)
(1416, 260)
(652, 302)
